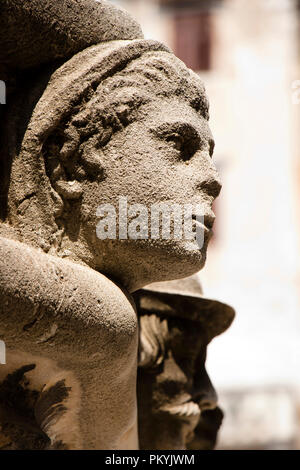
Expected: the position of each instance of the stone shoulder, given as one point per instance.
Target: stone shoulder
(43, 290)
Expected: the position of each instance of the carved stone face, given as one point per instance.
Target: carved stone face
(164, 156)
(177, 395)
(140, 133)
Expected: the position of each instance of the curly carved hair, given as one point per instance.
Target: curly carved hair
(71, 150)
(154, 333)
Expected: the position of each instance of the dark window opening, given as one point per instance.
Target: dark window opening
(193, 38)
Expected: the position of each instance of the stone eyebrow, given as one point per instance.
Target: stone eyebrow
(181, 127)
(187, 131)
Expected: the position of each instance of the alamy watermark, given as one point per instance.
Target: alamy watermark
(160, 221)
(2, 92)
(2, 352)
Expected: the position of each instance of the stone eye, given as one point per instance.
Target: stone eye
(187, 145)
(177, 140)
(180, 137)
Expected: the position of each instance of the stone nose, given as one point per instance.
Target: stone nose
(211, 185)
(205, 394)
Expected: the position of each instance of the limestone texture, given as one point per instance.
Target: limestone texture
(94, 112)
(177, 403)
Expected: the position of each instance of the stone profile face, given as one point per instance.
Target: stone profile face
(178, 405)
(94, 114)
(124, 119)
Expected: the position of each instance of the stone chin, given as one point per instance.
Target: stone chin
(154, 261)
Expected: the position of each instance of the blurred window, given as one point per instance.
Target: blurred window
(193, 38)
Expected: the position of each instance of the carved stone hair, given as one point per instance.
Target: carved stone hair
(107, 108)
(96, 93)
(153, 336)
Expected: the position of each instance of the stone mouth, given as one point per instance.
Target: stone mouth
(185, 410)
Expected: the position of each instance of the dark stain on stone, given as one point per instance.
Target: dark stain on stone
(29, 325)
(49, 407)
(59, 445)
(18, 427)
(14, 391)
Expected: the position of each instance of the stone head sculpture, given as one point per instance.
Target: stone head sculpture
(178, 405)
(94, 112)
(121, 118)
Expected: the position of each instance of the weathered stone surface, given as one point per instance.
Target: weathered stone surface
(93, 106)
(65, 319)
(177, 403)
(123, 117)
(35, 32)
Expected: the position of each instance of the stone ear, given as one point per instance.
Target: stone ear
(68, 164)
(68, 189)
(64, 190)
(92, 158)
(93, 163)
(64, 187)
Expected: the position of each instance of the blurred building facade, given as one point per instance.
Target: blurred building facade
(247, 53)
